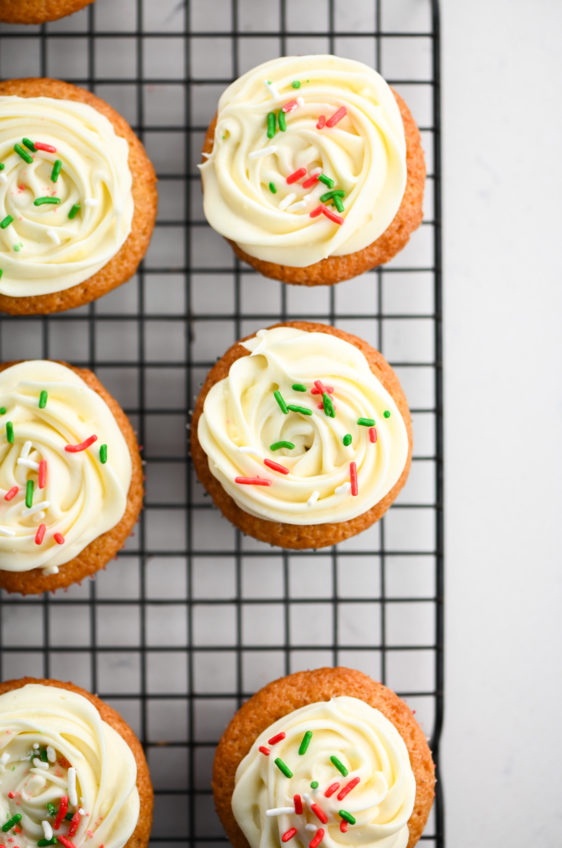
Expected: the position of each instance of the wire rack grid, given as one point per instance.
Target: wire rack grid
(194, 617)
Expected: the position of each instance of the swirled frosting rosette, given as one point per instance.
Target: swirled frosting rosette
(335, 773)
(301, 431)
(65, 194)
(65, 774)
(65, 467)
(308, 160)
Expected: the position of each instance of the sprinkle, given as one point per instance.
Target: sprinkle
(28, 463)
(54, 236)
(347, 439)
(263, 750)
(317, 839)
(287, 200)
(297, 800)
(56, 170)
(311, 827)
(314, 785)
(281, 401)
(48, 148)
(336, 117)
(5, 222)
(338, 763)
(74, 211)
(10, 432)
(275, 739)
(386, 413)
(316, 212)
(305, 742)
(11, 822)
(51, 754)
(39, 536)
(328, 195)
(343, 489)
(282, 121)
(91, 201)
(29, 144)
(43, 842)
(310, 181)
(44, 201)
(333, 787)
(18, 246)
(4, 759)
(272, 188)
(270, 124)
(271, 88)
(63, 809)
(343, 826)
(74, 822)
(290, 106)
(296, 84)
(47, 829)
(38, 507)
(296, 175)
(328, 405)
(337, 219)
(2, 166)
(265, 151)
(320, 388)
(302, 409)
(2, 408)
(59, 538)
(313, 498)
(347, 788)
(43, 399)
(321, 122)
(23, 153)
(319, 812)
(338, 204)
(279, 811)
(82, 445)
(354, 485)
(372, 434)
(51, 808)
(7, 531)
(283, 444)
(72, 796)
(289, 834)
(347, 816)
(25, 451)
(37, 763)
(326, 180)
(66, 843)
(42, 474)
(103, 454)
(282, 470)
(366, 422)
(11, 493)
(283, 767)
(298, 387)
(253, 481)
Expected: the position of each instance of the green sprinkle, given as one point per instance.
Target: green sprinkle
(339, 765)
(326, 180)
(29, 144)
(103, 454)
(283, 444)
(23, 153)
(282, 118)
(303, 748)
(281, 401)
(2, 166)
(5, 222)
(347, 816)
(366, 422)
(283, 767)
(338, 204)
(1, 272)
(56, 170)
(386, 413)
(43, 201)
(51, 809)
(18, 246)
(43, 842)
(347, 439)
(294, 408)
(314, 784)
(298, 387)
(272, 188)
(69, 816)
(11, 822)
(328, 405)
(43, 754)
(29, 494)
(43, 399)
(74, 211)
(2, 410)
(10, 432)
(296, 83)
(328, 195)
(270, 124)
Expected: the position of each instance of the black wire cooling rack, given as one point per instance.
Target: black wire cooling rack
(194, 617)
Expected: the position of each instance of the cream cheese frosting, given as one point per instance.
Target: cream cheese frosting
(53, 245)
(59, 758)
(334, 774)
(342, 122)
(330, 468)
(59, 487)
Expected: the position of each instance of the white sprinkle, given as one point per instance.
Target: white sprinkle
(3, 178)
(300, 101)
(301, 204)
(91, 201)
(51, 569)
(279, 811)
(4, 758)
(54, 236)
(51, 755)
(311, 827)
(7, 531)
(72, 796)
(28, 463)
(247, 449)
(25, 451)
(344, 488)
(265, 151)
(47, 829)
(313, 498)
(36, 745)
(306, 797)
(81, 811)
(287, 201)
(271, 88)
(39, 763)
(36, 508)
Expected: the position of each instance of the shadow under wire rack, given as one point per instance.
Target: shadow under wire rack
(194, 617)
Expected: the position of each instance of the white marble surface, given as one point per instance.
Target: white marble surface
(503, 124)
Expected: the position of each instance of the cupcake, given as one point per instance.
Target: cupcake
(72, 771)
(34, 12)
(302, 435)
(70, 476)
(77, 197)
(323, 758)
(313, 170)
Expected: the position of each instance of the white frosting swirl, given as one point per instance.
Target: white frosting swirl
(44, 732)
(43, 250)
(82, 497)
(241, 419)
(366, 744)
(364, 153)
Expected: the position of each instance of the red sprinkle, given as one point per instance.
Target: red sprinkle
(333, 216)
(373, 434)
(281, 468)
(82, 446)
(74, 822)
(40, 535)
(63, 809)
(298, 804)
(331, 789)
(66, 843)
(353, 479)
(253, 481)
(336, 117)
(318, 837)
(318, 811)
(290, 106)
(289, 834)
(42, 473)
(321, 122)
(310, 181)
(48, 148)
(316, 212)
(348, 786)
(264, 750)
(343, 826)
(296, 175)
(11, 794)
(280, 736)
(320, 388)
(12, 493)
(59, 538)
